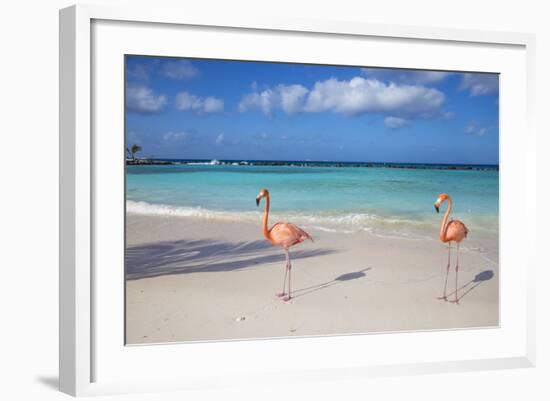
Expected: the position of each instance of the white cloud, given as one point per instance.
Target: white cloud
(182, 69)
(480, 84)
(292, 97)
(175, 136)
(395, 122)
(354, 97)
(219, 139)
(475, 129)
(359, 96)
(265, 101)
(289, 98)
(187, 102)
(212, 105)
(416, 77)
(142, 100)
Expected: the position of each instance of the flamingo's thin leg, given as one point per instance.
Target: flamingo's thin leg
(284, 281)
(456, 274)
(289, 269)
(289, 274)
(444, 297)
(283, 293)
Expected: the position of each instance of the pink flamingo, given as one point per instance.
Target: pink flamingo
(284, 235)
(454, 230)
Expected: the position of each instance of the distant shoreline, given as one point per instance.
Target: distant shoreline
(307, 163)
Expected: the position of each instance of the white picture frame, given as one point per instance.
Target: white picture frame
(84, 349)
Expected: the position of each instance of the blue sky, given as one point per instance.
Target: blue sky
(214, 109)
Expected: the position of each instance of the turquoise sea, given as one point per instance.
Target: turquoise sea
(382, 198)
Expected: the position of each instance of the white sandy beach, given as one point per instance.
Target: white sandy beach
(194, 279)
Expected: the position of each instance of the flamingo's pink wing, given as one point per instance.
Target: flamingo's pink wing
(288, 234)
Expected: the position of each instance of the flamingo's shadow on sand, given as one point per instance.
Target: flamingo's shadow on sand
(338, 280)
(182, 257)
(479, 279)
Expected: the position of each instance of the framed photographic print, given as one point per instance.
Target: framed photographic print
(330, 191)
(351, 160)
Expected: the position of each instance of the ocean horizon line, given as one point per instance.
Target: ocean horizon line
(313, 163)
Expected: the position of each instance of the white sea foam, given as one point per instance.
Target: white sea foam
(326, 221)
(150, 209)
(333, 230)
(210, 163)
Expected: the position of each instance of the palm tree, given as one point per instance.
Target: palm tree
(133, 150)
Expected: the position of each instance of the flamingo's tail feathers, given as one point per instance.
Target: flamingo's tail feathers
(304, 236)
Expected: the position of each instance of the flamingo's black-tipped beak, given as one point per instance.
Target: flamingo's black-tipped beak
(257, 201)
(436, 208)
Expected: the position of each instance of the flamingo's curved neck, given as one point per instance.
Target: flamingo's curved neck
(266, 214)
(443, 230)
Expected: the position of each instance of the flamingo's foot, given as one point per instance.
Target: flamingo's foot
(444, 298)
(455, 302)
(281, 294)
(287, 298)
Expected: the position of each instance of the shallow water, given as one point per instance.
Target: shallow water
(347, 199)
